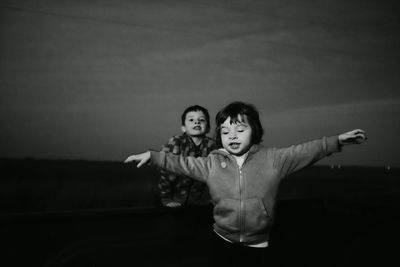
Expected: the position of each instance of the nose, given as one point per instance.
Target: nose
(233, 136)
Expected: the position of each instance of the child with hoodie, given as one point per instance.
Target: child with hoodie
(243, 178)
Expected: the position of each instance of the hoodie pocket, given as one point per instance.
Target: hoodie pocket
(256, 216)
(226, 214)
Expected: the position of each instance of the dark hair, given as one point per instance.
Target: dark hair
(233, 110)
(196, 108)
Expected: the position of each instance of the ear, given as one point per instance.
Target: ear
(183, 129)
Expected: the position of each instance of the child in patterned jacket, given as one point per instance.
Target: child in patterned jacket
(181, 191)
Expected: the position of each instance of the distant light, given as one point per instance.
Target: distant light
(337, 166)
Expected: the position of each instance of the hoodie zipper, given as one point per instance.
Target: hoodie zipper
(241, 205)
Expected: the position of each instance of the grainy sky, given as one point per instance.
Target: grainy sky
(105, 79)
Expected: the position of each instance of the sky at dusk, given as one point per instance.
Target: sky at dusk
(101, 80)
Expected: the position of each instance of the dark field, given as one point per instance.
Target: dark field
(84, 213)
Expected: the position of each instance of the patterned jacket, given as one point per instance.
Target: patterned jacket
(180, 188)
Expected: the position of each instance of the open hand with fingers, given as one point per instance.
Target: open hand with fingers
(353, 137)
(142, 158)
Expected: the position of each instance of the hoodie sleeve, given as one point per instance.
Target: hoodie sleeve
(196, 168)
(296, 157)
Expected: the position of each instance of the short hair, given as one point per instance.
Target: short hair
(196, 108)
(233, 111)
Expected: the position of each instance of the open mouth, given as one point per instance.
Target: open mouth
(198, 128)
(234, 145)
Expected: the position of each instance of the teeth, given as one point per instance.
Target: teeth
(234, 145)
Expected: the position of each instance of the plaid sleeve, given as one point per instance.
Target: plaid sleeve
(209, 146)
(167, 180)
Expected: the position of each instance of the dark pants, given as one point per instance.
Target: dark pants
(192, 223)
(191, 232)
(226, 254)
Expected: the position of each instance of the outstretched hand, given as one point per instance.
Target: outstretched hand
(353, 137)
(141, 158)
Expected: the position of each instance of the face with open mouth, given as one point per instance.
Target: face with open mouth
(195, 124)
(236, 135)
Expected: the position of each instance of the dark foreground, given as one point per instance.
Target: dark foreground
(105, 214)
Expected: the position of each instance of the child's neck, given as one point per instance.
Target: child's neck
(239, 159)
(196, 139)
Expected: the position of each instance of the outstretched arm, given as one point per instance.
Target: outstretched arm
(353, 137)
(196, 168)
(142, 158)
(299, 156)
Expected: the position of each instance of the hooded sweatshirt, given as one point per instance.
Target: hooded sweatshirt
(244, 197)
